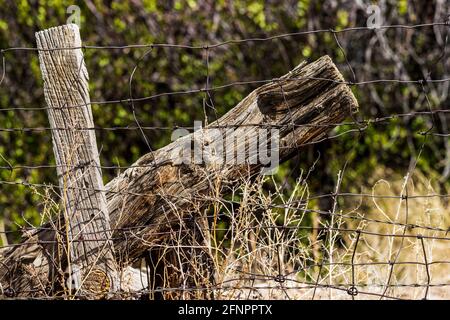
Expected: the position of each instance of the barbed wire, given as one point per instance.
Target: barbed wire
(331, 232)
(240, 41)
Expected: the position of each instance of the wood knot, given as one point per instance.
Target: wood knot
(268, 101)
(96, 284)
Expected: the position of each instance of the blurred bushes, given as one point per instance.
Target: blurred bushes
(389, 54)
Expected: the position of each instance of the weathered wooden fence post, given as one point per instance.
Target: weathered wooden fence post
(90, 253)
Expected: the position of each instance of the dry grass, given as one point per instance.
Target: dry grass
(267, 262)
(269, 245)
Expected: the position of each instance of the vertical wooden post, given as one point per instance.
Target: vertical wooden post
(91, 262)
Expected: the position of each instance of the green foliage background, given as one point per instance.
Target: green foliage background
(391, 144)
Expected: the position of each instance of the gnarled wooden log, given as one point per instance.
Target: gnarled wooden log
(156, 197)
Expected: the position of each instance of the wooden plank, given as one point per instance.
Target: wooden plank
(90, 257)
(146, 201)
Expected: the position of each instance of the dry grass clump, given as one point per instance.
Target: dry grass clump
(266, 243)
(417, 211)
(278, 247)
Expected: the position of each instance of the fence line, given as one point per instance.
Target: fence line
(282, 277)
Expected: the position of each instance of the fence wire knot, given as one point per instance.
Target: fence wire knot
(10, 293)
(280, 278)
(353, 291)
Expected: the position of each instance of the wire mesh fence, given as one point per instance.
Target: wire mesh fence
(250, 240)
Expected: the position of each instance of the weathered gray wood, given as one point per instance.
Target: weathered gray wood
(303, 110)
(155, 197)
(90, 257)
